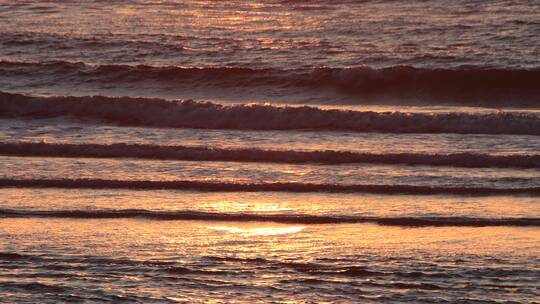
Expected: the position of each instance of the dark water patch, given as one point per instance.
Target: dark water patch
(407, 285)
(11, 256)
(33, 287)
(308, 281)
(488, 272)
(236, 260)
(180, 270)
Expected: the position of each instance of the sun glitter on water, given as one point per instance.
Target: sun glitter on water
(273, 230)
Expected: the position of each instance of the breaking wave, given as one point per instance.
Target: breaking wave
(466, 84)
(193, 153)
(207, 115)
(280, 218)
(216, 186)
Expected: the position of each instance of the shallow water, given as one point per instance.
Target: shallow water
(152, 261)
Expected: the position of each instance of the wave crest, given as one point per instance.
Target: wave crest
(468, 85)
(207, 115)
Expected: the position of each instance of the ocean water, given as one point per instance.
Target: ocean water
(275, 151)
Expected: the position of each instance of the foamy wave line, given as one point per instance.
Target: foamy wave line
(216, 186)
(465, 84)
(207, 115)
(279, 218)
(469, 160)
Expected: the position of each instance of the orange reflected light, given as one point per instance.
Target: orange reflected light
(259, 230)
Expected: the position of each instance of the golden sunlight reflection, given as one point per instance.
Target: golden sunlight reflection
(273, 230)
(250, 206)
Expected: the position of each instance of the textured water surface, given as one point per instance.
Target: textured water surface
(269, 151)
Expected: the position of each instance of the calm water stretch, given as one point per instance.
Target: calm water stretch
(275, 151)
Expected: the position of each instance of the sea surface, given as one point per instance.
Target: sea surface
(276, 151)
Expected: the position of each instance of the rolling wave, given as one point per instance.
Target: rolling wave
(193, 153)
(216, 186)
(279, 218)
(469, 85)
(207, 115)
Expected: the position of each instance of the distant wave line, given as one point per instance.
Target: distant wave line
(216, 186)
(329, 157)
(279, 218)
